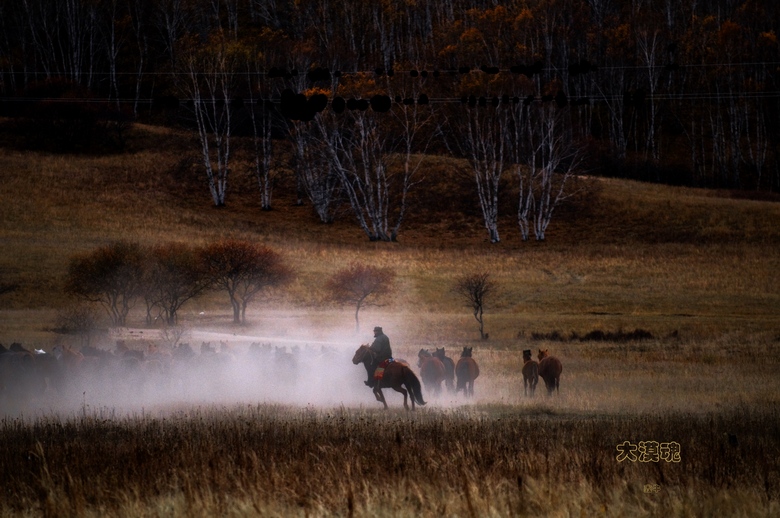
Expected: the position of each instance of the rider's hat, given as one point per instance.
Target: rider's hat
(377, 329)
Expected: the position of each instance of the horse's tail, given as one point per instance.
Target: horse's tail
(413, 384)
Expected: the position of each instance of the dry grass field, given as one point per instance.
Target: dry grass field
(696, 271)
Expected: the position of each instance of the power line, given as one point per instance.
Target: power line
(430, 100)
(282, 73)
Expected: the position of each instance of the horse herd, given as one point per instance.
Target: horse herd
(437, 368)
(139, 374)
(145, 372)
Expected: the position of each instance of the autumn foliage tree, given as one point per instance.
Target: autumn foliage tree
(361, 285)
(111, 276)
(244, 270)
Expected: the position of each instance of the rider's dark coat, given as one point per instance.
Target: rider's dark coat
(381, 348)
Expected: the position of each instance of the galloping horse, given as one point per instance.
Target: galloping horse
(550, 369)
(432, 371)
(449, 368)
(467, 371)
(396, 375)
(530, 373)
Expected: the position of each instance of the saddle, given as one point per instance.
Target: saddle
(380, 369)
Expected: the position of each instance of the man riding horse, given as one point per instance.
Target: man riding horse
(382, 353)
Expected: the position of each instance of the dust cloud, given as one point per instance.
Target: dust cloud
(133, 371)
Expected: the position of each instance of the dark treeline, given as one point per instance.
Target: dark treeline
(676, 91)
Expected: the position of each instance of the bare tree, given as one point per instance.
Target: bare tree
(173, 275)
(110, 276)
(484, 143)
(114, 38)
(360, 146)
(543, 169)
(79, 320)
(475, 288)
(172, 335)
(211, 72)
(361, 285)
(173, 20)
(413, 139)
(64, 37)
(261, 116)
(648, 46)
(315, 172)
(355, 147)
(244, 270)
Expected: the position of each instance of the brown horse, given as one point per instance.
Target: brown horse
(530, 373)
(68, 357)
(550, 369)
(432, 371)
(449, 368)
(466, 371)
(396, 376)
(21, 374)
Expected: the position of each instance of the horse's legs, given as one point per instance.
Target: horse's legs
(405, 393)
(379, 396)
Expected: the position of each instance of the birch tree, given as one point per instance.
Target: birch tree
(414, 134)
(315, 172)
(210, 73)
(359, 146)
(483, 140)
(261, 115)
(354, 144)
(551, 160)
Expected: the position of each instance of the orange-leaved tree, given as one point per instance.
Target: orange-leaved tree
(360, 284)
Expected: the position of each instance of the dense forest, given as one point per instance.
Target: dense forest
(676, 91)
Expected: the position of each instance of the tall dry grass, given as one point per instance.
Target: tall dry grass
(278, 461)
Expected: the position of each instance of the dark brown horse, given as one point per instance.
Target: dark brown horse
(396, 376)
(432, 371)
(20, 375)
(550, 369)
(466, 371)
(530, 373)
(449, 368)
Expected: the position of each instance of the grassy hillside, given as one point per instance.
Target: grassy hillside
(618, 253)
(695, 269)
